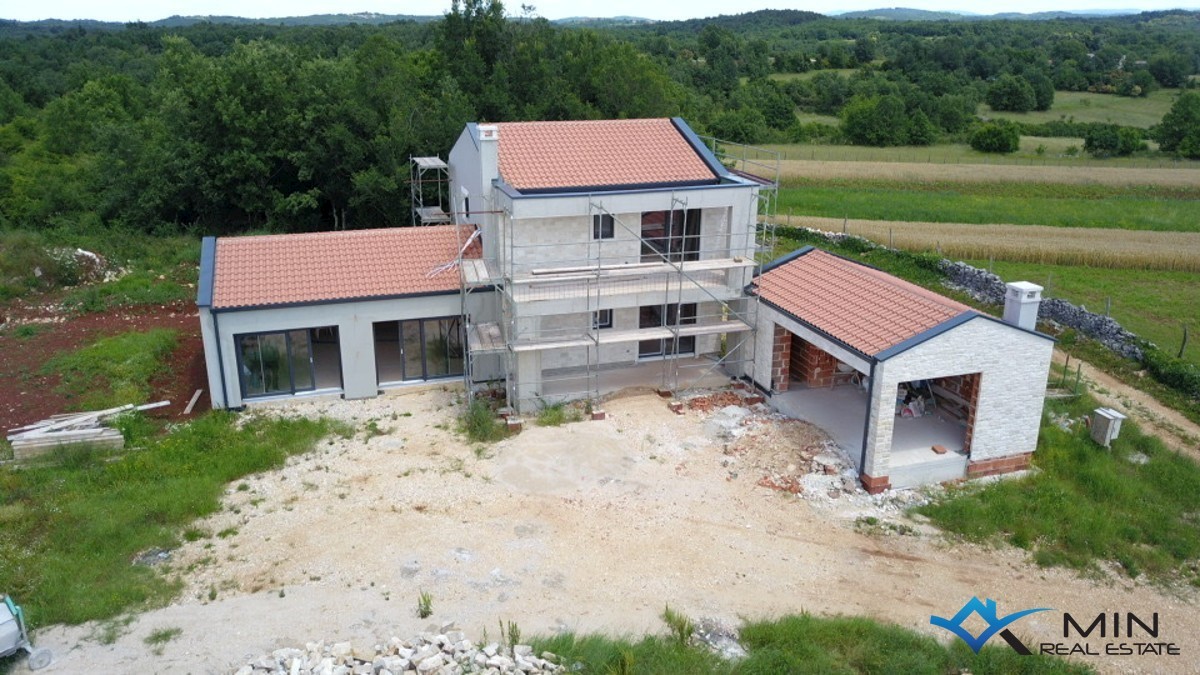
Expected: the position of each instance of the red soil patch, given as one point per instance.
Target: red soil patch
(26, 395)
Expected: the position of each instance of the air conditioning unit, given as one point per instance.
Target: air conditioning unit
(1106, 425)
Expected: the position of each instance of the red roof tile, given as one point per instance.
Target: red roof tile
(597, 153)
(323, 266)
(865, 308)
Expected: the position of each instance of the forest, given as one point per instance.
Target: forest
(223, 128)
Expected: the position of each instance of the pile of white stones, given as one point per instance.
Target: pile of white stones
(448, 653)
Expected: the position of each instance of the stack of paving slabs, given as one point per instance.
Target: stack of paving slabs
(67, 429)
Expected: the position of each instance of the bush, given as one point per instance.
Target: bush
(1176, 373)
(1110, 140)
(478, 422)
(998, 137)
(1179, 131)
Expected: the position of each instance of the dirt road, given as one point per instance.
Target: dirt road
(592, 526)
(1177, 431)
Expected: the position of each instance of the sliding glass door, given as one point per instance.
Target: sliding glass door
(671, 235)
(418, 349)
(282, 362)
(657, 316)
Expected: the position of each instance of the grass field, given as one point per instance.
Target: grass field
(1086, 507)
(72, 526)
(1035, 244)
(1151, 305)
(1087, 107)
(1060, 205)
(810, 74)
(115, 370)
(800, 644)
(1055, 154)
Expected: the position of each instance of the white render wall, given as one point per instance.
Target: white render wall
(1014, 366)
(356, 338)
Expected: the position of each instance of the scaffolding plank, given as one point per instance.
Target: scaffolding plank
(485, 337)
(430, 162)
(433, 214)
(633, 335)
(552, 274)
(477, 272)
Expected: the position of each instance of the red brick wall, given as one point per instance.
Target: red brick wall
(781, 349)
(875, 484)
(967, 388)
(810, 365)
(992, 467)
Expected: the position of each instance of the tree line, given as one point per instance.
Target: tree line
(235, 128)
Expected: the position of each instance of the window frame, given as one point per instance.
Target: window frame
(603, 227)
(602, 319)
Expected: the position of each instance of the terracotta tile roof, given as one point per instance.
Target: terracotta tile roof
(597, 153)
(323, 266)
(865, 308)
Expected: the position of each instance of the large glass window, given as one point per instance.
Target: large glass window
(283, 362)
(418, 349)
(657, 316)
(673, 235)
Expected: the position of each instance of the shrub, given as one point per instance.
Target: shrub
(998, 137)
(1110, 140)
(1176, 373)
(1179, 131)
(478, 422)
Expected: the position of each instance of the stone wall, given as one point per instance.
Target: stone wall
(989, 288)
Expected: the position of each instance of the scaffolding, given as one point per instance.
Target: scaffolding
(429, 190)
(574, 315)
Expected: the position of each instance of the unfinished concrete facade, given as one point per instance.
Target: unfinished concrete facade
(604, 263)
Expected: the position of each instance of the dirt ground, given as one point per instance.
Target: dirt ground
(27, 395)
(592, 526)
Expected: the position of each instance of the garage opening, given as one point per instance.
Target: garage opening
(281, 363)
(931, 436)
(418, 349)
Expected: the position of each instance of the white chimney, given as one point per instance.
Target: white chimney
(1021, 302)
(489, 154)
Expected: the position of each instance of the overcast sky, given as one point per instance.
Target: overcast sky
(133, 10)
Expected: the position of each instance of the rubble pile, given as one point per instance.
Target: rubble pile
(445, 653)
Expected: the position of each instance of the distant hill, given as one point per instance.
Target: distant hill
(9, 28)
(909, 14)
(603, 22)
(763, 19)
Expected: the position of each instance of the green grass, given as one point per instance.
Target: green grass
(557, 414)
(479, 423)
(1088, 107)
(800, 644)
(810, 74)
(1055, 154)
(1062, 205)
(114, 370)
(23, 252)
(135, 288)
(1087, 505)
(1149, 303)
(72, 526)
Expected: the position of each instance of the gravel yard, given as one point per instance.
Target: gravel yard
(591, 526)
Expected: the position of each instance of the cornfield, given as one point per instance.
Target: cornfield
(1026, 243)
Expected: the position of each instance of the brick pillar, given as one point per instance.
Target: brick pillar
(781, 356)
(970, 393)
(875, 484)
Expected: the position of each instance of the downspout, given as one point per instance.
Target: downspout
(862, 458)
(221, 360)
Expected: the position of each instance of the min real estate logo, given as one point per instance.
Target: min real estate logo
(1106, 634)
(988, 611)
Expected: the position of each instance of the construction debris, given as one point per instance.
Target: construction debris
(79, 428)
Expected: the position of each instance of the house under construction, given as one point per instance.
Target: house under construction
(614, 252)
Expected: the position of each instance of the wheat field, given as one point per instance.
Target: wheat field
(902, 172)
(1026, 243)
